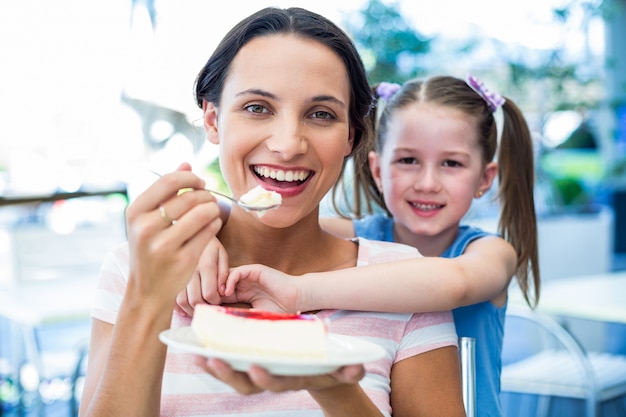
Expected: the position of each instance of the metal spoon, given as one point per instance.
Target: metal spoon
(245, 206)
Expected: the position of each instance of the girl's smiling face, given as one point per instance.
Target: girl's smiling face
(283, 122)
(431, 168)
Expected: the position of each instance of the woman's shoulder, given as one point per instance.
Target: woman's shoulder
(119, 252)
(118, 259)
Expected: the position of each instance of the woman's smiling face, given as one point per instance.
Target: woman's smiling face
(283, 122)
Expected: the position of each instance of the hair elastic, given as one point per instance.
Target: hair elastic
(493, 99)
(386, 90)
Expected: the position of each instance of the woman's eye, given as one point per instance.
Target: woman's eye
(322, 115)
(256, 108)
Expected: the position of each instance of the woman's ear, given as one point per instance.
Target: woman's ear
(374, 160)
(210, 121)
(350, 144)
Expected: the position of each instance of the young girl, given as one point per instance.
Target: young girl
(434, 153)
(284, 95)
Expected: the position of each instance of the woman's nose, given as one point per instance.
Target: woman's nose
(288, 139)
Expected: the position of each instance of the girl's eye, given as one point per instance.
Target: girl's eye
(407, 161)
(450, 163)
(320, 114)
(256, 108)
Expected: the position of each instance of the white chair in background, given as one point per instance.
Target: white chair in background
(559, 366)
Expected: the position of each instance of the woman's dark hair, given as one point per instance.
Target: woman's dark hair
(516, 174)
(271, 21)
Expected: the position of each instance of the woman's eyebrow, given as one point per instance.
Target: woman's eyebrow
(315, 99)
(257, 91)
(332, 99)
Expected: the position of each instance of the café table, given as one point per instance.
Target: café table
(600, 297)
(591, 307)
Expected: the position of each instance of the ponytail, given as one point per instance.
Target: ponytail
(518, 221)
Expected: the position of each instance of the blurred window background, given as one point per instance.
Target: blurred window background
(94, 95)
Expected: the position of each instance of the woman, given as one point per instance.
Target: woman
(286, 98)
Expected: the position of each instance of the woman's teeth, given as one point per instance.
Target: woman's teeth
(281, 175)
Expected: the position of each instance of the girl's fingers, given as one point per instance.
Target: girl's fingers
(181, 312)
(231, 282)
(194, 290)
(209, 269)
(209, 291)
(223, 270)
(183, 307)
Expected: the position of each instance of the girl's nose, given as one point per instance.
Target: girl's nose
(288, 139)
(427, 180)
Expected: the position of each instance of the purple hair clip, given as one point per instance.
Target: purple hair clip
(493, 99)
(386, 90)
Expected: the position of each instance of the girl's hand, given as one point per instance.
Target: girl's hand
(257, 379)
(167, 233)
(263, 287)
(204, 286)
